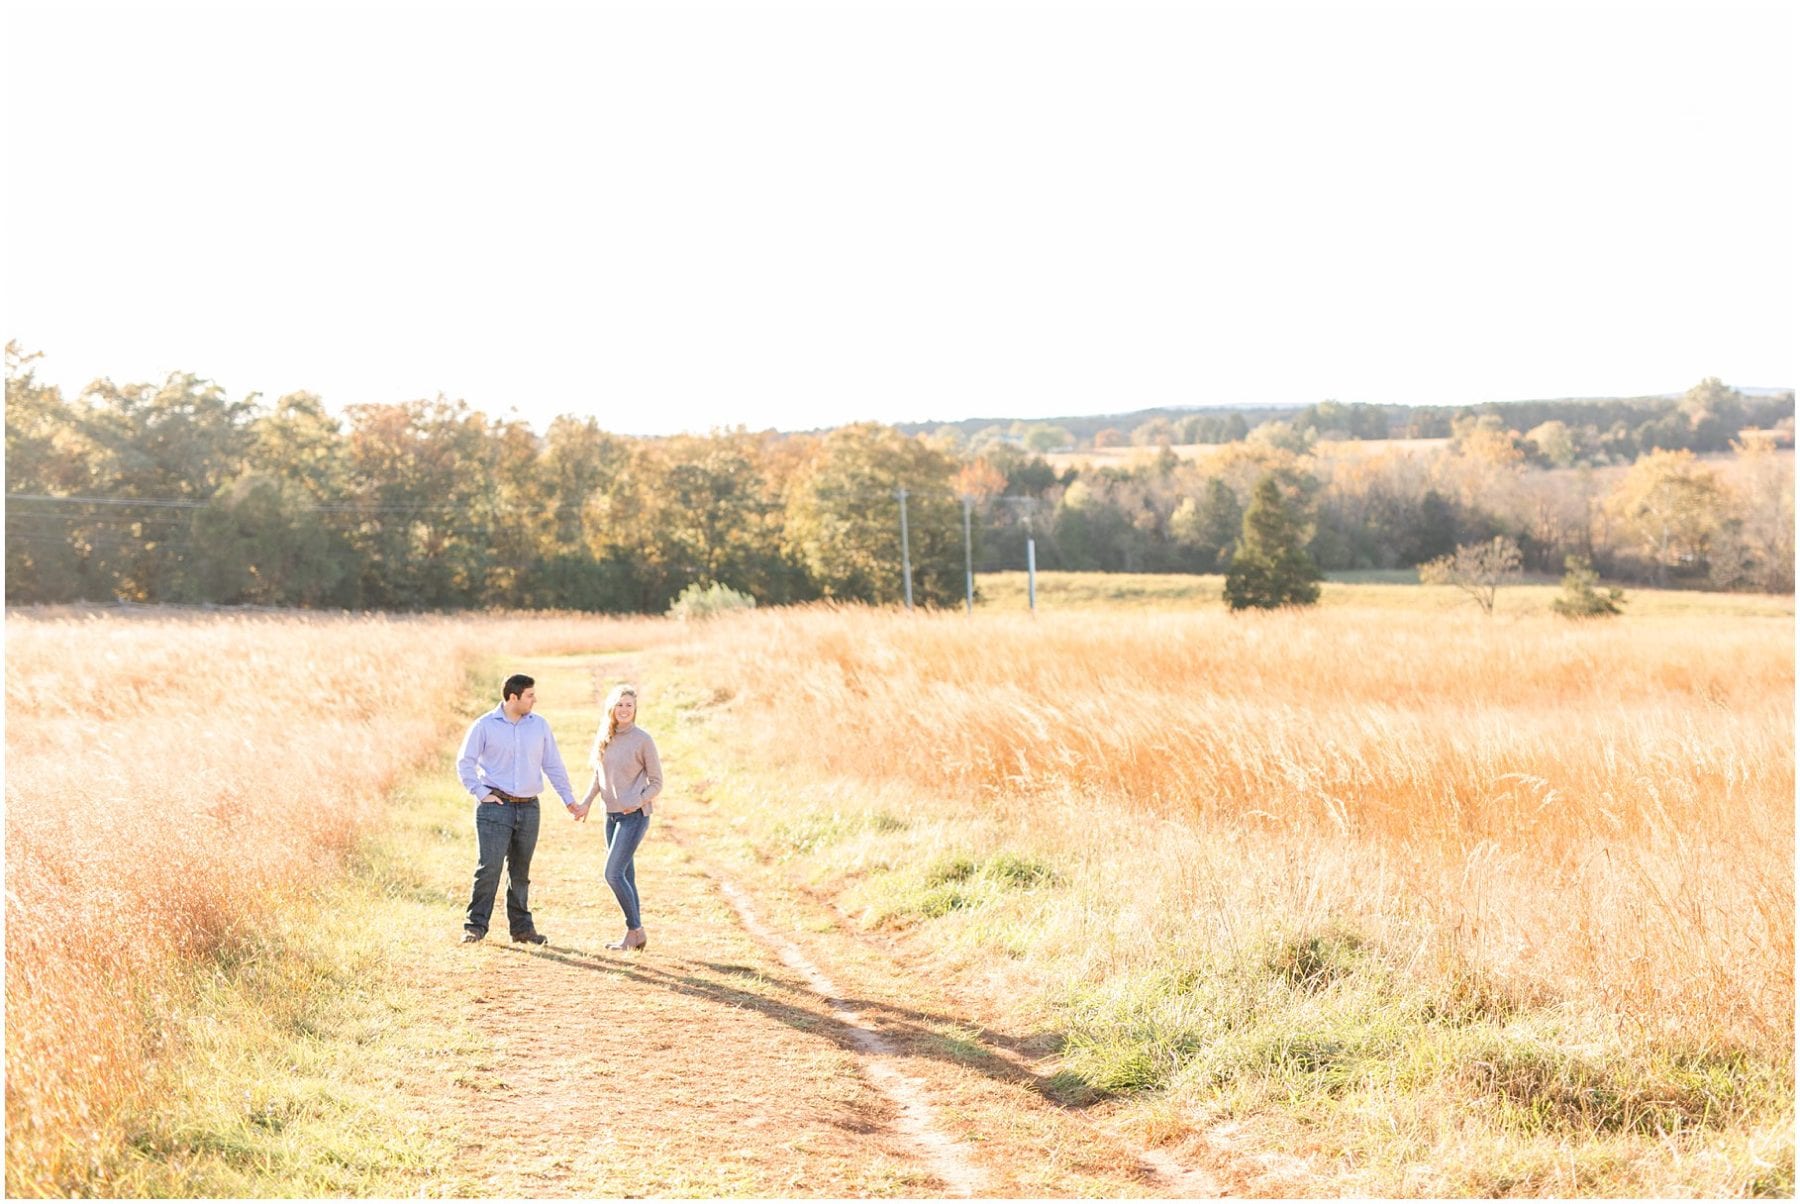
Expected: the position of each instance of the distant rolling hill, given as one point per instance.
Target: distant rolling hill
(1415, 421)
(1085, 426)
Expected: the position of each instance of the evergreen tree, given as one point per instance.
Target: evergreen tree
(1579, 599)
(1271, 567)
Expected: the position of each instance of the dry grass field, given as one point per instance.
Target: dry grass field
(1391, 592)
(1402, 900)
(1454, 905)
(174, 782)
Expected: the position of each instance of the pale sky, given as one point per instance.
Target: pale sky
(678, 216)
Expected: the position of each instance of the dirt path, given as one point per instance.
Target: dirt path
(756, 1048)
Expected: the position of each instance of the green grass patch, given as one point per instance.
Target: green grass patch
(1314, 1025)
(955, 882)
(1539, 1088)
(807, 834)
(1316, 960)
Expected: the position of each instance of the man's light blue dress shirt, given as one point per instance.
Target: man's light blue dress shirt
(499, 754)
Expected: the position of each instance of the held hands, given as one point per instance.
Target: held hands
(579, 811)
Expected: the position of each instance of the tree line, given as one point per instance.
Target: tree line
(178, 492)
(1598, 430)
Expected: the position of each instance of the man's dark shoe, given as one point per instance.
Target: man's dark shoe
(530, 938)
(469, 938)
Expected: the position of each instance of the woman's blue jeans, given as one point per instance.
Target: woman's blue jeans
(624, 833)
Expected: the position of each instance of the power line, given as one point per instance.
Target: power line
(166, 503)
(360, 507)
(347, 507)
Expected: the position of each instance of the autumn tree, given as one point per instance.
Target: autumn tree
(1283, 436)
(1046, 437)
(1484, 439)
(843, 517)
(160, 452)
(1555, 442)
(1208, 527)
(264, 545)
(296, 484)
(979, 481)
(715, 516)
(576, 461)
(579, 565)
(1157, 432)
(48, 462)
(423, 495)
(516, 511)
(1714, 412)
(1762, 489)
(1089, 531)
(298, 441)
(1670, 506)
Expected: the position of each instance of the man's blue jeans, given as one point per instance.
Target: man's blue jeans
(624, 833)
(504, 832)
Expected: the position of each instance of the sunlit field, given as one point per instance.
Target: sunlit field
(1429, 902)
(1464, 905)
(1375, 589)
(172, 780)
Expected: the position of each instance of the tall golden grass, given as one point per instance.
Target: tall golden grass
(171, 778)
(1594, 818)
(1594, 814)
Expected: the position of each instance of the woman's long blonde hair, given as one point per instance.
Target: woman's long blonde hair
(609, 727)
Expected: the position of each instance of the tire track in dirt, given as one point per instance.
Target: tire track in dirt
(951, 1159)
(1178, 1179)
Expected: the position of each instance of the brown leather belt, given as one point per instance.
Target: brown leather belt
(514, 799)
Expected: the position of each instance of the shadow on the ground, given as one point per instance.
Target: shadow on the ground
(910, 1032)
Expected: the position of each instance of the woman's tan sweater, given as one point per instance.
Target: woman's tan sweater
(630, 771)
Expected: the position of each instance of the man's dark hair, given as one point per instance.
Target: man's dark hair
(515, 685)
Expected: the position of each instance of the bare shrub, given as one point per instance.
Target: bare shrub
(1477, 569)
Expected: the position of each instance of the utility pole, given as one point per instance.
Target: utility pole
(905, 549)
(968, 552)
(1030, 567)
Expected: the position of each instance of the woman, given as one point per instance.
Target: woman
(627, 777)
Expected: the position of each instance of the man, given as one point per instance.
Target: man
(505, 758)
